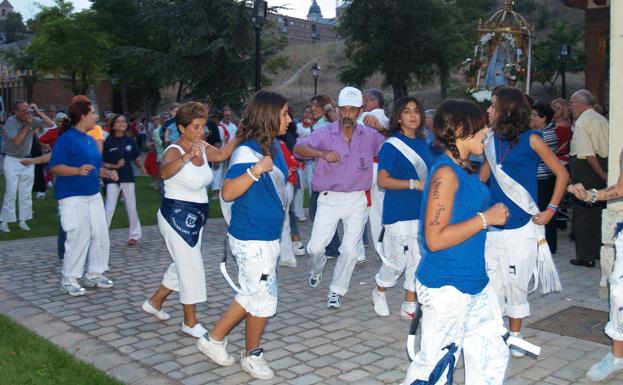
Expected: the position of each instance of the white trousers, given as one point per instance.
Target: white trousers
(18, 181)
(473, 323)
(129, 194)
(218, 175)
(375, 216)
(186, 274)
(402, 254)
(285, 242)
(614, 327)
(84, 220)
(351, 208)
(257, 275)
(511, 261)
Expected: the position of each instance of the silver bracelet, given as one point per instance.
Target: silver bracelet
(484, 220)
(256, 179)
(593, 197)
(411, 184)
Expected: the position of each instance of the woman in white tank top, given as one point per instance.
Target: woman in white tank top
(184, 210)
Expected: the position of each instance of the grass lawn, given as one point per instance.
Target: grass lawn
(46, 222)
(27, 359)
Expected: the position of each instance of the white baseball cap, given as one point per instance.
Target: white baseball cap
(350, 96)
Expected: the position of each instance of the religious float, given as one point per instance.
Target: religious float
(502, 55)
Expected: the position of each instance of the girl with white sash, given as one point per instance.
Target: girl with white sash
(519, 251)
(257, 214)
(460, 312)
(183, 212)
(404, 159)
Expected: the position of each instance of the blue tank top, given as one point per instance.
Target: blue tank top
(463, 265)
(521, 163)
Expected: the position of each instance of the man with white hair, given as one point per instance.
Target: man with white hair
(19, 178)
(589, 164)
(344, 152)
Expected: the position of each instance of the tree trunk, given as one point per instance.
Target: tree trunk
(124, 99)
(444, 80)
(400, 90)
(180, 89)
(74, 83)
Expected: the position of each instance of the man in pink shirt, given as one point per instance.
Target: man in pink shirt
(343, 152)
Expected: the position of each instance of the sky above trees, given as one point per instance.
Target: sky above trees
(298, 8)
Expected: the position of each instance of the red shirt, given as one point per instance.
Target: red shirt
(564, 138)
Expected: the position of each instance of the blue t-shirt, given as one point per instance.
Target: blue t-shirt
(74, 148)
(174, 132)
(402, 205)
(116, 148)
(520, 162)
(463, 265)
(257, 215)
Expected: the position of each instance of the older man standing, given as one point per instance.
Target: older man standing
(20, 129)
(344, 152)
(589, 162)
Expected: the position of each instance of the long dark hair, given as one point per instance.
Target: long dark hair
(513, 114)
(452, 114)
(399, 106)
(261, 120)
(113, 121)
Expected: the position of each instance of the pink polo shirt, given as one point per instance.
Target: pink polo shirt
(354, 170)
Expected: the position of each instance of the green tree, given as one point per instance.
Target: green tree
(69, 45)
(13, 27)
(408, 42)
(545, 54)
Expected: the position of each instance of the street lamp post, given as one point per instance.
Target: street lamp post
(565, 54)
(258, 17)
(315, 71)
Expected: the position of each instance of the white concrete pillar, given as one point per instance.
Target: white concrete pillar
(614, 213)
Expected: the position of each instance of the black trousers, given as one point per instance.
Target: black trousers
(545, 191)
(587, 217)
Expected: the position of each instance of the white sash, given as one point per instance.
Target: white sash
(545, 270)
(412, 156)
(245, 154)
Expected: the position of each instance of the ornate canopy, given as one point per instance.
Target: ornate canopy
(502, 55)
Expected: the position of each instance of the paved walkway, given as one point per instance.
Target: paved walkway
(305, 342)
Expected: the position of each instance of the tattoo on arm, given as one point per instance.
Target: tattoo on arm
(439, 208)
(435, 185)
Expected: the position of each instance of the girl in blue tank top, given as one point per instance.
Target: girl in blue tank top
(516, 150)
(255, 182)
(404, 160)
(459, 309)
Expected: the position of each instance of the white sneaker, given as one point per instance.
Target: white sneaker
(301, 219)
(515, 351)
(216, 351)
(40, 195)
(196, 331)
(298, 248)
(160, 314)
(4, 227)
(604, 368)
(314, 279)
(380, 303)
(288, 263)
(408, 310)
(24, 226)
(334, 301)
(361, 260)
(72, 287)
(96, 279)
(256, 365)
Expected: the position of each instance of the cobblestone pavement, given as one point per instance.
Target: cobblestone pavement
(305, 343)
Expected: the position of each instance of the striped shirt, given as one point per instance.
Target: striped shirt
(550, 138)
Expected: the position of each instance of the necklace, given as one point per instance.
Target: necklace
(502, 157)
